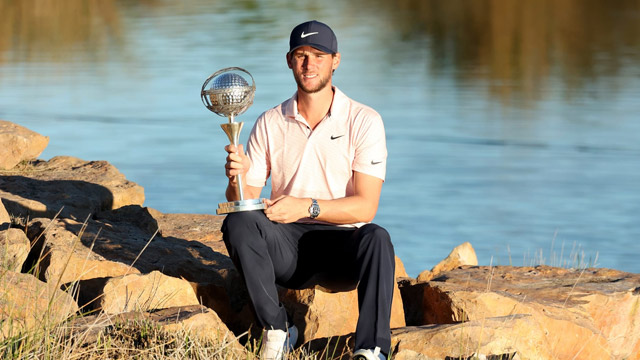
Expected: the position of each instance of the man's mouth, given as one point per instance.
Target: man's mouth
(309, 76)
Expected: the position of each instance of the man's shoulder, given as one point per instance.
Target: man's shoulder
(278, 112)
(354, 108)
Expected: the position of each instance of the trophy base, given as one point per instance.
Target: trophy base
(240, 205)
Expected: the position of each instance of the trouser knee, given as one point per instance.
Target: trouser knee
(240, 228)
(378, 238)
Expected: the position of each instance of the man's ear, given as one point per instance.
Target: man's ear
(336, 61)
(288, 56)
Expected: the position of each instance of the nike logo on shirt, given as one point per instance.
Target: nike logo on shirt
(303, 35)
(336, 137)
(375, 162)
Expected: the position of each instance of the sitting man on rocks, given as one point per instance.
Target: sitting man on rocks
(326, 156)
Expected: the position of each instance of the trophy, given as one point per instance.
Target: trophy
(230, 95)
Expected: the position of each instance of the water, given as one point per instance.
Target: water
(512, 125)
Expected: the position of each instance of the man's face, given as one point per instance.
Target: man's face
(312, 68)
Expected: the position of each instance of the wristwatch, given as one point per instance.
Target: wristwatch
(314, 209)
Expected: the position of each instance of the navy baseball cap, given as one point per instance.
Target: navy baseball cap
(315, 34)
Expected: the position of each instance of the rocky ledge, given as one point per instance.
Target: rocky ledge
(75, 234)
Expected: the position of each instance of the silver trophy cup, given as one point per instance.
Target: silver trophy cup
(228, 93)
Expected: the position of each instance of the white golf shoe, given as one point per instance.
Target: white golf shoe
(276, 343)
(368, 354)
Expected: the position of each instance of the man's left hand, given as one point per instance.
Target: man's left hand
(287, 209)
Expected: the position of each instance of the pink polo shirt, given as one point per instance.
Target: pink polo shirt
(316, 163)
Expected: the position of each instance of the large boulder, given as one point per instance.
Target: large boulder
(590, 312)
(14, 248)
(461, 255)
(320, 313)
(71, 186)
(132, 235)
(18, 144)
(135, 292)
(63, 252)
(129, 240)
(28, 304)
(509, 337)
(124, 241)
(197, 320)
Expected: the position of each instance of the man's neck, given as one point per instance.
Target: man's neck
(314, 107)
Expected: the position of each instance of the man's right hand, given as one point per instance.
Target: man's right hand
(237, 162)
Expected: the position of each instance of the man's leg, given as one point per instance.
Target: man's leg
(341, 257)
(263, 252)
(375, 259)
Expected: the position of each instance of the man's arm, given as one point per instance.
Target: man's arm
(238, 163)
(360, 207)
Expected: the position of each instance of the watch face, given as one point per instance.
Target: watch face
(314, 210)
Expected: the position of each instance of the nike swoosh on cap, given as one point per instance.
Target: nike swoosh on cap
(303, 35)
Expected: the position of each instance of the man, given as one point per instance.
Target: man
(326, 156)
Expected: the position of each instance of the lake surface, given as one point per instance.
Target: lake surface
(512, 125)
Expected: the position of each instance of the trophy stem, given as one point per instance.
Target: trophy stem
(232, 129)
(240, 191)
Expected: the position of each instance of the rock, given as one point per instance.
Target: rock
(27, 303)
(197, 321)
(592, 312)
(75, 187)
(135, 292)
(62, 253)
(229, 300)
(190, 246)
(510, 337)
(118, 238)
(409, 355)
(203, 228)
(132, 215)
(14, 248)
(19, 144)
(401, 272)
(319, 313)
(461, 255)
(110, 244)
(5, 219)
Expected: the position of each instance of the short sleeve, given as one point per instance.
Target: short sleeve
(371, 145)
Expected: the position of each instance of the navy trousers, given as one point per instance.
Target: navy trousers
(297, 256)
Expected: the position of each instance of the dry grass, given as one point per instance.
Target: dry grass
(126, 340)
(133, 339)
